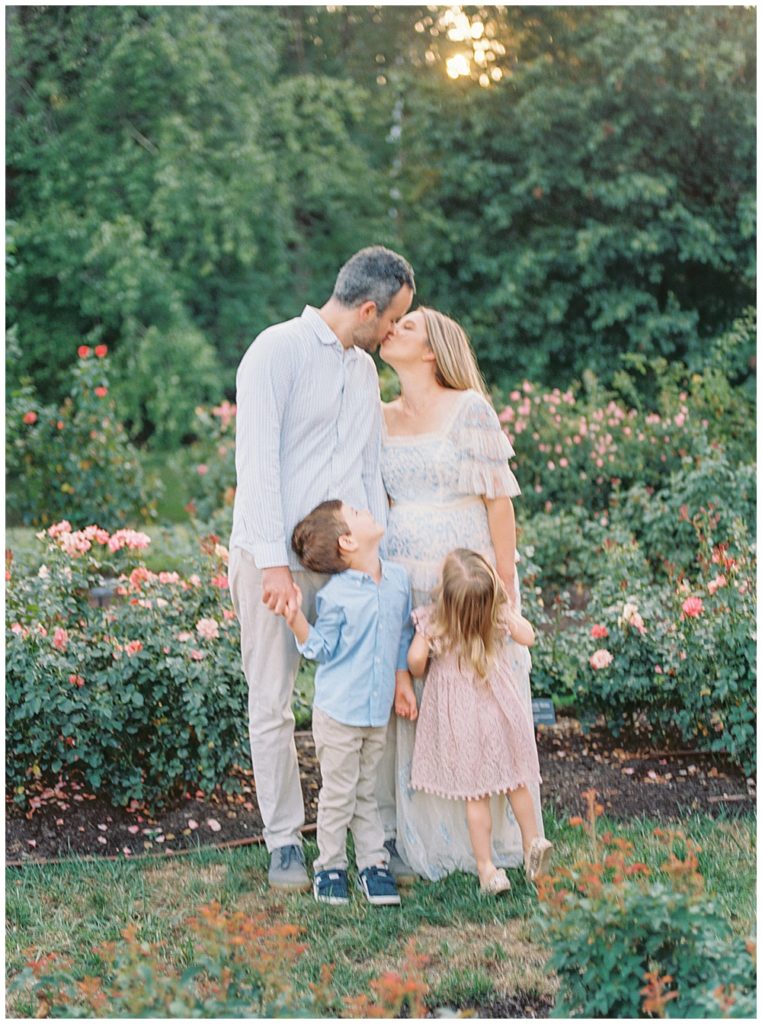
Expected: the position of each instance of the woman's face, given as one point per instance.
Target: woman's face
(407, 343)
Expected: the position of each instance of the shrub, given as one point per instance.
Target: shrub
(585, 445)
(75, 461)
(238, 967)
(663, 521)
(577, 449)
(212, 461)
(678, 657)
(144, 697)
(236, 970)
(628, 942)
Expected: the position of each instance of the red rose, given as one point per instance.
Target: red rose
(83, 351)
(101, 392)
(30, 417)
(101, 351)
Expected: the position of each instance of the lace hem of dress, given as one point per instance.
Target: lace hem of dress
(533, 781)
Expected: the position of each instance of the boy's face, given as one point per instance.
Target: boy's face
(363, 528)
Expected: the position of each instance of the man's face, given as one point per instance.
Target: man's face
(369, 334)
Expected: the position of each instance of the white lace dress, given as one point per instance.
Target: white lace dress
(436, 483)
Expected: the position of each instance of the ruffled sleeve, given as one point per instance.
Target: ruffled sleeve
(483, 452)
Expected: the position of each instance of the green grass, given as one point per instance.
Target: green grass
(479, 949)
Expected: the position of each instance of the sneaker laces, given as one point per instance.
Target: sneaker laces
(289, 853)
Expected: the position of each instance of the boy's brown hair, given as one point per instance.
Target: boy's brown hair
(316, 538)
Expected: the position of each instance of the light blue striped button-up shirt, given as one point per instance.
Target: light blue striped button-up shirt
(360, 638)
(308, 428)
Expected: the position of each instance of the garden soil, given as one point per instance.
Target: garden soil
(65, 820)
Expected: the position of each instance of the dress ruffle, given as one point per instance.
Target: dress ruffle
(483, 452)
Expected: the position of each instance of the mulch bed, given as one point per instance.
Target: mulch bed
(66, 820)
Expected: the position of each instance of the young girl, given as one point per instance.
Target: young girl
(475, 736)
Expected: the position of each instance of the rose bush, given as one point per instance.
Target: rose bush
(675, 659)
(211, 461)
(629, 940)
(144, 697)
(586, 444)
(75, 461)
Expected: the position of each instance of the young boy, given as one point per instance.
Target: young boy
(360, 638)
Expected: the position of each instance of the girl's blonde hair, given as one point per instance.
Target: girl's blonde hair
(456, 365)
(468, 603)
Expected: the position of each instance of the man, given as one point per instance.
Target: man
(308, 428)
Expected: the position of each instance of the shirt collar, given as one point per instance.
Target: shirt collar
(356, 574)
(324, 333)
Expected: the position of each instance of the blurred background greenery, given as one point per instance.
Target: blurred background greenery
(572, 184)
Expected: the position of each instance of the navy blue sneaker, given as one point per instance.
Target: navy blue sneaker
(378, 886)
(330, 886)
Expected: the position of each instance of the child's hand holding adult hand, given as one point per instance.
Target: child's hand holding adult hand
(293, 607)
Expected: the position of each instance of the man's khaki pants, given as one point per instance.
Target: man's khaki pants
(270, 663)
(349, 757)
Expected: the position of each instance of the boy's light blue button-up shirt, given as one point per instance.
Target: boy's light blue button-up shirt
(360, 638)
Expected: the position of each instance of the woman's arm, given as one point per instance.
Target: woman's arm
(502, 528)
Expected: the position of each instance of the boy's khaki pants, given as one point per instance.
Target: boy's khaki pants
(270, 663)
(349, 757)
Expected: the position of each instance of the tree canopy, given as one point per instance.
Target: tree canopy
(570, 183)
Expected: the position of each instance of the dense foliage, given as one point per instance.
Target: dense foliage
(628, 941)
(75, 461)
(180, 177)
(140, 698)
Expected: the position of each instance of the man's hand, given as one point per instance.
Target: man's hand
(278, 589)
(405, 703)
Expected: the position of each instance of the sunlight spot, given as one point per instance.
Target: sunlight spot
(458, 66)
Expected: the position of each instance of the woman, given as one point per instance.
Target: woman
(445, 467)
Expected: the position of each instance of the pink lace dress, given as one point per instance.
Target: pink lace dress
(475, 737)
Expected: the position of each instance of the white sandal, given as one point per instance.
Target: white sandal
(498, 883)
(538, 858)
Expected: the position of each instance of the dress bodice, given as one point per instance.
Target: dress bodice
(436, 484)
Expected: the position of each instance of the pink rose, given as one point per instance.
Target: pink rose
(601, 658)
(598, 632)
(715, 584)
(134, 647)
(208, 629)
(692, 607)
(57, 528)
(60, 639)
(197, 655)
(202, 470)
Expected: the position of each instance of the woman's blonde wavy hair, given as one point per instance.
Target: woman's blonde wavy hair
(467, 614)
(456, 365)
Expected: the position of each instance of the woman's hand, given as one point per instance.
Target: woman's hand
(405, 704)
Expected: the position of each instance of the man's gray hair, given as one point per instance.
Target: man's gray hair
(374, 274)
